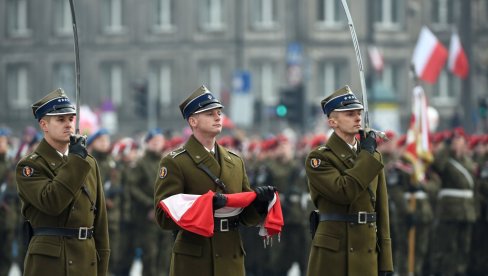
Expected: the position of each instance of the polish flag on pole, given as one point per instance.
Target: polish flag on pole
(429, 56)
(376, 58)
(458, 61)
(418, 149)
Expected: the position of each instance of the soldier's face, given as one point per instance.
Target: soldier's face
(208, 122)
(58, 128)
(3, 144)
(346, 122)
(102, 143)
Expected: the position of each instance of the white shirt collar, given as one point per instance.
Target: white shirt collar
(65, 153)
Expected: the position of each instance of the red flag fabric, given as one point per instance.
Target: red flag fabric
(195, 213)
(429, 56)
(458, 61)
(418, 149)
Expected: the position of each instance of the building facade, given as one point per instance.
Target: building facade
(144, 57)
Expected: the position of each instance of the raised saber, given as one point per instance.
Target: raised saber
(359, 59)
(77, 66)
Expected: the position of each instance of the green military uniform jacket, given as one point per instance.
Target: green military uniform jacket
(339, 181)
(455, 200)
(50, 190)
(222, 254)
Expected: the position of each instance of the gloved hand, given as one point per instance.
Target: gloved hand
(410, 220)
(265, 193)
(219, 200)
(385, 273)
(367, 141)
(77, 145)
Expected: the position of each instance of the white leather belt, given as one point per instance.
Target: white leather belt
(417, 195)
(461, 193)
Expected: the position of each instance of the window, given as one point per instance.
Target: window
(112, 16)
(17, 18)
(64, 77)
(330, 13)
(163, 15)
(389, 14)
(332, 76)
(160, 82)
(112, 75)
(18, 86)
(264, 14)
(390, 85)
(446, 90)
(442, 12)
(264, 84)
(62, 21)
(211, 15)
(211, 76)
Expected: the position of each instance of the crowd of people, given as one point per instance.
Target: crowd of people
(449, 213)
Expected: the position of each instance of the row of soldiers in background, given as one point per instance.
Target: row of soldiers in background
(450, 215)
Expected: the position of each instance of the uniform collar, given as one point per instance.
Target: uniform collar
(50, 154)
(340, 148)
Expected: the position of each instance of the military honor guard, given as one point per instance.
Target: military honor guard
(347, 186)
(62, 197)
(200, 166)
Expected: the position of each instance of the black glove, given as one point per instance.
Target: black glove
(385, 273)
(77, 145)
(367, 141)
(219, 200)
(265, 193)
(410, 220)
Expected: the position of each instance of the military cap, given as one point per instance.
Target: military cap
(341, 100)
(4, 132)
(54, 103)
(94, 136)
(151, 133)
(200, 100)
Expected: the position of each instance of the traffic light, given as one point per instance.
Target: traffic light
(140, 98)
(291, 105)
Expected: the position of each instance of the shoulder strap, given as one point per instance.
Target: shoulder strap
(215, 179)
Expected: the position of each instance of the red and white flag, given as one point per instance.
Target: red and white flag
(458, 61)
(429, 56)
(418, 149)
(195, 213)
(376, 58)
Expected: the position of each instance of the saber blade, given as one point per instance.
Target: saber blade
(360, 63)
(77, 66)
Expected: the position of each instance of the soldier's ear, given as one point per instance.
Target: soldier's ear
(43, 124)
(192, 121)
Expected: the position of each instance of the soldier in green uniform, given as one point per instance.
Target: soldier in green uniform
(9, 207)
(155, 244)
(62, 197)
(99, 145)
(181, 172)
(349, 189)
(455, 207)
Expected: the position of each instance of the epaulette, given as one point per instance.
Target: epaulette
(32, 156)
(234, 153)
(323, 148)
(177, 152)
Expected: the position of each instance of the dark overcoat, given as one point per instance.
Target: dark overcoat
(343, 182)
(223, 253)
(50, 190)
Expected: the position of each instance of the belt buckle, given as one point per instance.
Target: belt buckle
(224, 225)
(362, 217)
(82, 233)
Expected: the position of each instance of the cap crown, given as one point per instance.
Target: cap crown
(200, 100)
(54, 103)
(341, 100)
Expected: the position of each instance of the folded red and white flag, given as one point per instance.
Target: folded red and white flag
(195, 213)
(429, 56)
(458, 61)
